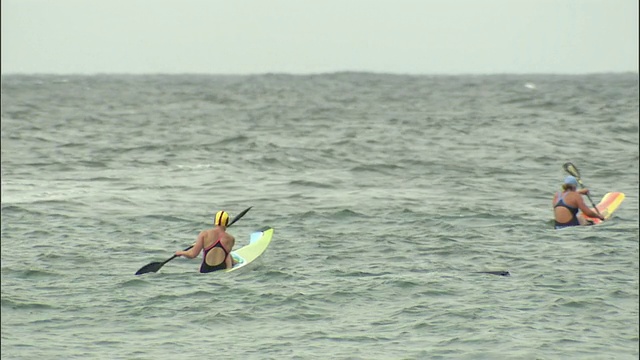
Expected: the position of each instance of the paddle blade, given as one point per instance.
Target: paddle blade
(149, 268)
(239, 216)
(572, 170)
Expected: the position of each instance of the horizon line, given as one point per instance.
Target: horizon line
(21, 73)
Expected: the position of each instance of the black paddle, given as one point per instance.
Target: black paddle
(573, 171)
(155, 266)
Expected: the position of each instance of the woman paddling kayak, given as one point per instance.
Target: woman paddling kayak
(567, 203)
(216, 245)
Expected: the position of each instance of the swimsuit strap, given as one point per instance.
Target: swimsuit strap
(561, 201)
(219, 241)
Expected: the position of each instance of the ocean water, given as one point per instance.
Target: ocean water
(389, 195)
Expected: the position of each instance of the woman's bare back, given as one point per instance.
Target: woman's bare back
(217, 255)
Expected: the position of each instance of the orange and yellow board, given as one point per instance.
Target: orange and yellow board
(609, 203)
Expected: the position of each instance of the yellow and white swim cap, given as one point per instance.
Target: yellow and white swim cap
(221, 219)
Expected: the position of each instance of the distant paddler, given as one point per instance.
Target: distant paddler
(216, 244)
(569, 202)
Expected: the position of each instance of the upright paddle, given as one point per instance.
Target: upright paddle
(573, 171)
(155, 266)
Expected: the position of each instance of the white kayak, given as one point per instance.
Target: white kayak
(258, 243)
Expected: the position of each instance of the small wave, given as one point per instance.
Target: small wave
(72, 145)
(296, 196)
(218, 99)
(163, 218)
(94, 164)
(416, 309)
(57, 202)
(404, 284)
(162, 297)
(313, 184)
(37, 233)
(279, 275)
(107, 343)
(29, 273)
(134, 283)
(268, 160)
(24, 305)
(518, 100)
(346, 213)
(234, 140)
(572, 303)
(359, 273)
(103, 178)
(15, 209)
(381, 168)
(195, 166)
(202, 294)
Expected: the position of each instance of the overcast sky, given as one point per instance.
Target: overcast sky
(318, 36)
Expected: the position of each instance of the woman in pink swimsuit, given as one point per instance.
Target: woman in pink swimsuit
(216, 245)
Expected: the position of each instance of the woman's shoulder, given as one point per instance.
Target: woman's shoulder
(573, 196)
(228, 236)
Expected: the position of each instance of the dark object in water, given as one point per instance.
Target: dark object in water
(501, 273)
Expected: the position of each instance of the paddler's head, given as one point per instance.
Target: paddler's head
(570, 182)
(221, 219)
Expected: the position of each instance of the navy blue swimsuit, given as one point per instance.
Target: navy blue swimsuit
(205, 268)
(574, 219)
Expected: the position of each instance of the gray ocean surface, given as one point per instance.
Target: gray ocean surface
(388, 195)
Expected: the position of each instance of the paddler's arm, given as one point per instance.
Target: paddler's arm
(195, 250)
(584, 191)
(585, 209)
(230, 261)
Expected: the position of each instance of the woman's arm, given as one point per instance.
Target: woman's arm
(195, 250)
(585, 209)
(229, 260)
